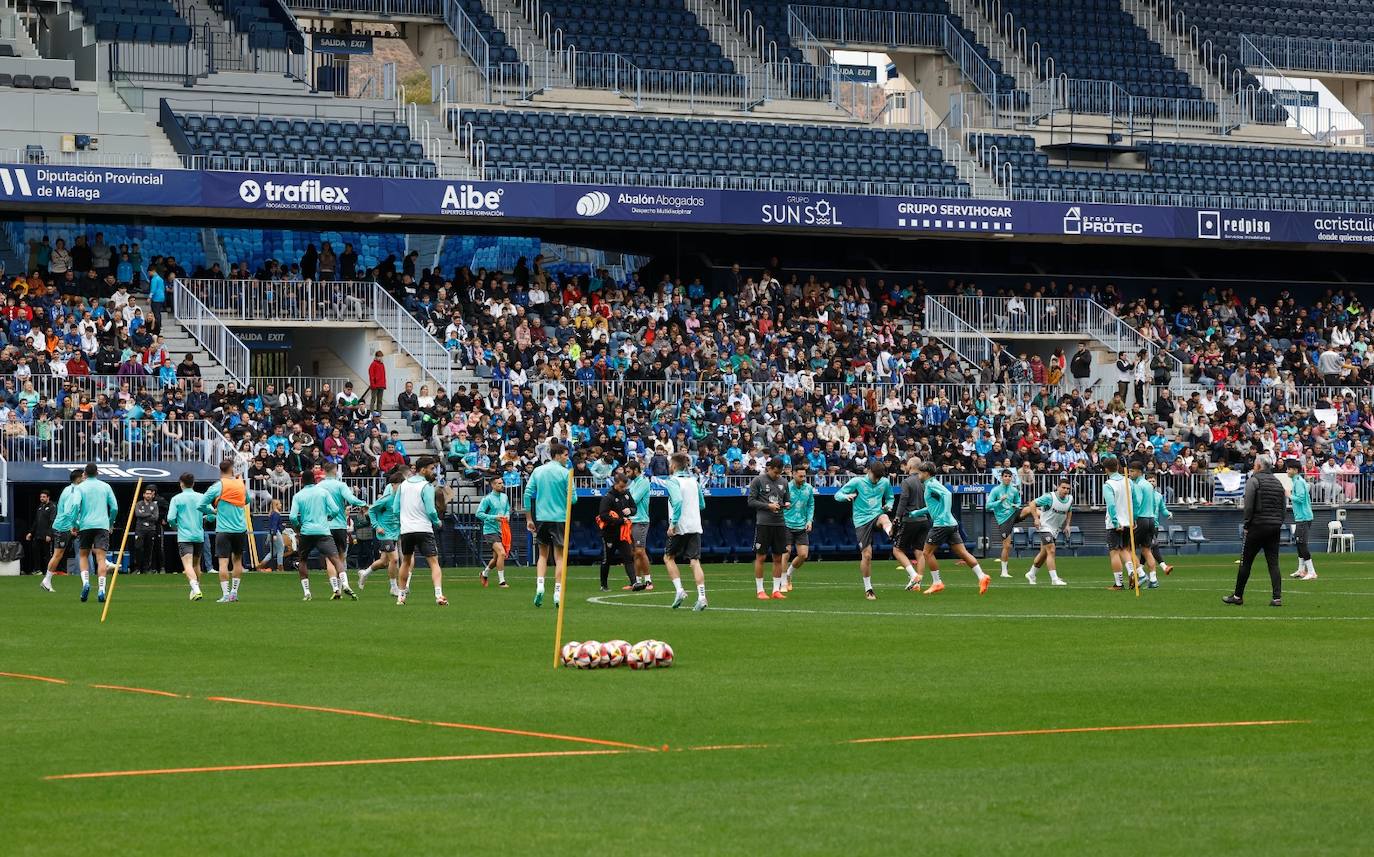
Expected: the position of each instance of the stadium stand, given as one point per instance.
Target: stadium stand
(1250, 174)
(772, 16)
(155, 21)
(251, 249)
(832, 369)
(301, 145)
(725, 151)
(1097, 40)
(652, 34)
(1223, 22)
(267, 23)
(501, 51)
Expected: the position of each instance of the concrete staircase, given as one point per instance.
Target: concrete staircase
(986, 31)
(180, 343)
(1177, 46)
(521, 32)
(732, 43)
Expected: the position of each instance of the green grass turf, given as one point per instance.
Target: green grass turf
(803, 677)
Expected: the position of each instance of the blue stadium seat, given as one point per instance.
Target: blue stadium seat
(242, 142)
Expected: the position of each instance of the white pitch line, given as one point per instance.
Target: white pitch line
(641, 601)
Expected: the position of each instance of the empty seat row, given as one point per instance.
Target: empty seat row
(640, 32)
(725, 150)
(35, 81)
(323, 166)
(196, 122)
(205, 141)
(142, 31)
(549, 120)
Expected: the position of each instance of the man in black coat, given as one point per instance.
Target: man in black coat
(617, 508)
(39, 536)
(1265, 501)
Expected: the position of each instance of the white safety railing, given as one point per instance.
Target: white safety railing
(301, 300)
(4, 488)
(754, 34)
(433, 359)
(1176, 44)
(207, 329)
(969, 342)
(1180, 490)
(995, 29)
(1321, 56)
(94, 386)
(956, 315)
(263, 490)
(76, 441)
(300, 384)
(869, 27)
(370, 8)
(117, 387)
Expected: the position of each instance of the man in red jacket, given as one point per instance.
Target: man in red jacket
(376, 380)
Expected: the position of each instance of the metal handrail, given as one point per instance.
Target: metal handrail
(206, 328)
(411, 336)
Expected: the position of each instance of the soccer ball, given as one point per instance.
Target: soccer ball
(589, 655)
(640, 657)
(663, 654)
(570, 653)
(616, 651)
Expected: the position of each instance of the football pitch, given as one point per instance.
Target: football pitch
(1033, 720)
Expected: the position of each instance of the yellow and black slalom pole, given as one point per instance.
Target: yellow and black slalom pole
(563, 575)
(119, 557)
(1130, 518)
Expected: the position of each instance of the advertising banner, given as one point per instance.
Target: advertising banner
(29, 187)
(53, 472)
(38, 184)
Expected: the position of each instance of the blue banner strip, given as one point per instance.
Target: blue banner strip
(159, 191)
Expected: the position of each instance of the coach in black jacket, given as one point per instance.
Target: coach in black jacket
(1265, 501)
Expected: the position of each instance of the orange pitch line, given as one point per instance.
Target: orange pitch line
(278, 766)
(138, 690)
(1075, 730)
(35, 678)
(477, 728)
(322, 709)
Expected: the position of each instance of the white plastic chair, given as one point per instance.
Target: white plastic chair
(1337, 540)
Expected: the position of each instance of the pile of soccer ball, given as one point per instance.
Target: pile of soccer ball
(644, 655)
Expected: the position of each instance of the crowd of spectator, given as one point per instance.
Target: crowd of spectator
(86, 373)
(751, 364)
(838, 372)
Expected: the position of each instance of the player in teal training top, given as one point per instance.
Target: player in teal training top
(944, 530)
(1004, 501)
(1052, 513)
(338, 522)
(184, 513)
(546, 511)
(1302, 520)
(872, 497)
(98, 512)
(64, 526)
(640, 488)
(798, 517)
(494, 513)
(1162, 517)
(1146, 528)
(312, 509)
(386, 531)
